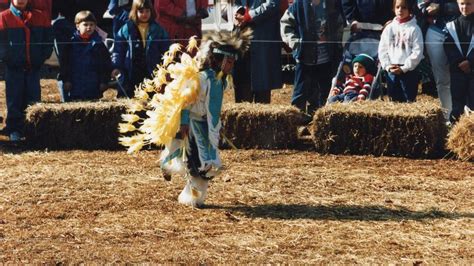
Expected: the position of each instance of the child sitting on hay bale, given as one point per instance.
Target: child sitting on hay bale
(357, 85)
(186, 118)
(85, 66)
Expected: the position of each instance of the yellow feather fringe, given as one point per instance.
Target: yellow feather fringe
(182, 86)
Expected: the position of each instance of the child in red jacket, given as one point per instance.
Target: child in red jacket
(357, 85)
(25, 43)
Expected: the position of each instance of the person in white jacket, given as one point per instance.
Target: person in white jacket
(400, 52)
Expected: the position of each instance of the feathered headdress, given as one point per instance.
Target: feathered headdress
(234, 43)
(175, 86)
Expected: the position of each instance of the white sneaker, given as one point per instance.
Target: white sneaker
(15, 136)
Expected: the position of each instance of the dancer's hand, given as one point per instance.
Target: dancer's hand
(184, 131)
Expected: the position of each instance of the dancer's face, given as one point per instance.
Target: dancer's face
(228, 64)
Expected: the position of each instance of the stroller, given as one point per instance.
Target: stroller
(363, 42)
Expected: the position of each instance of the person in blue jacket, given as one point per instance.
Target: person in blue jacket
(85, 66)
(139, 47)
(311, 32)
(25, 43)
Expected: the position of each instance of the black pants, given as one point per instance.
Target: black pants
(243, 83)
(462, 93)
(193, 160)
(311, 87)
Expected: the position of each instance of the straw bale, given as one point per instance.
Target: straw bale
(76, 125)
(461, 138)
(380, 128)
(249, 125)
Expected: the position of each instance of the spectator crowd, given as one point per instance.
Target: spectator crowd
(429, 41)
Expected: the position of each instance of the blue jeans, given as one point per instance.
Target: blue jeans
(439, 64)
(462, 92)
(312, 84)
(343, 97)
(404, 87)
(22, 88)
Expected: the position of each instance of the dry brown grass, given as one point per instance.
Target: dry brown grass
(268, 207)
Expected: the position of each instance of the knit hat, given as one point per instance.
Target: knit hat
(366, 60)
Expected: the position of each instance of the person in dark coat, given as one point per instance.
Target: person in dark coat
(306, 27)
(367, 11)
(25, 43)
(459, 47)
(120, 10)
(259, 71)
(86, 61)
(63, 14)
(139, 47)
(85, 65)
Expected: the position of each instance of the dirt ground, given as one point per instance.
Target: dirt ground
(286, 206)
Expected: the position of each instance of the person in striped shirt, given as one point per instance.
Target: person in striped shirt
(357, 85)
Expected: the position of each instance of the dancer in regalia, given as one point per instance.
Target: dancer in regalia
(186, 117)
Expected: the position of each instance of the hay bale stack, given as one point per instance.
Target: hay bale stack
(77, 125)
(261, 125)
(461, 138)
(415, 130)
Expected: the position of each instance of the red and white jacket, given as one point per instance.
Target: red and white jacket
(355, 84)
